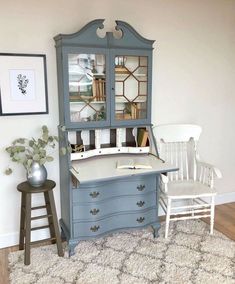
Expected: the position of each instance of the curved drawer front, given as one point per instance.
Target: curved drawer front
(97, 210)
(118, 187)
(121, 221)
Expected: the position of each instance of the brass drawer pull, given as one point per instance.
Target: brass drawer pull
(140, 220)
(94, 228)
(140, 203)
(141, 187)
(94, 194)
(95, 211)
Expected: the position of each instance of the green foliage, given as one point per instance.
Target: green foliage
(8, 171)
(63, 150)
(25, 151)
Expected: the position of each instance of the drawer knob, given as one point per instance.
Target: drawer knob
(95, 211)
(94, 194)
(140, 203)
(140, 220)
(141, 187)
(94, 228)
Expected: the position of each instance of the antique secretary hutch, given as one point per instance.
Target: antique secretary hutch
(104, 85)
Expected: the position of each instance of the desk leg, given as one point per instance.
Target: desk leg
(72, 246)
(156, 228)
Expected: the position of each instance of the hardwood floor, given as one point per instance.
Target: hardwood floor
(4, 279)
(225, 219)
(224, 222)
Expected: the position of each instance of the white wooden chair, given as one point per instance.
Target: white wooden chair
(188, 193)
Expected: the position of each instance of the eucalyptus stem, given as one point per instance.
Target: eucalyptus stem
(26, 151)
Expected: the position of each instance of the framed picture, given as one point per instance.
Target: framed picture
(23, 84)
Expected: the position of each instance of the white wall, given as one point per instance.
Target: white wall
(193, 78)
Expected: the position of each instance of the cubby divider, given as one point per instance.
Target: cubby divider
(89, 143)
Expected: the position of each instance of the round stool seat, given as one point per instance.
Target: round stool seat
(28, 188)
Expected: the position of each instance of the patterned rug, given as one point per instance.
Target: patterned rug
(189, 255)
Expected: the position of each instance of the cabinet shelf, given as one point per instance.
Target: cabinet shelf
(83, 102)
(132, 74)
(118, 101)
(109, 151)
(121, 100)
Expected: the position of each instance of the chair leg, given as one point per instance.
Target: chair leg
(167, 217)
(212, 214)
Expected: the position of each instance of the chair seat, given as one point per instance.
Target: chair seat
(188, 189)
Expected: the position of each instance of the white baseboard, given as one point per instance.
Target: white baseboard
(8, 240)
(225, 198)
(12, 239)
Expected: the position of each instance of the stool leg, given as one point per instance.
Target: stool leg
(54, 226)
(50, 219)
(27, 229)
(22, 222)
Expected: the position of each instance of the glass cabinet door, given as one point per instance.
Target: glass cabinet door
(87, 87)
(131, 87)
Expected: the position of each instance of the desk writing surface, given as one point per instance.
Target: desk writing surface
(105, 167)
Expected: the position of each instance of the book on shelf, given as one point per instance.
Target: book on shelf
(135, 163)
(121, 70)
(133, 111)
(77, 148)
(99, 89)
(142, 137)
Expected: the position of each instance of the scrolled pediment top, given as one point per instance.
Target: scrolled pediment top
(89, 28)
(87, 36)
(128, 29)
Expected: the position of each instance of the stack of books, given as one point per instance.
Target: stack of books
(99, 89)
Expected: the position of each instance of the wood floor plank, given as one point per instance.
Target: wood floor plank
(4, 274)
(225, 219)
(226, 208)
(3, 266)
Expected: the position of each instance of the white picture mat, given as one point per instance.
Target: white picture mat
(31, 66)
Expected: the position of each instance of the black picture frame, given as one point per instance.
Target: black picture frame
(23, 84)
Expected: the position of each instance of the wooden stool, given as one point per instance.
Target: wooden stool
(25, 218)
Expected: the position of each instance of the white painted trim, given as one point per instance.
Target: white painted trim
(12, 239)
(225, 198)
(8, 240)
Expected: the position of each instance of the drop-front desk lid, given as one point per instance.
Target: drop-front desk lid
(105, 167)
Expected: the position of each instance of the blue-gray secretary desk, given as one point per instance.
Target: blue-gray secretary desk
(104, 84)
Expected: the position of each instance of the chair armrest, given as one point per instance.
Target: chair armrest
(164, 178)
(163, 183)
(210, 167)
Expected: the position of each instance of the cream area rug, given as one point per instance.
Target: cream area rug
(189, 255)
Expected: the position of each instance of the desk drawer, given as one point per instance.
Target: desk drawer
(118, 187)
(96, 210)
(120, 221)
